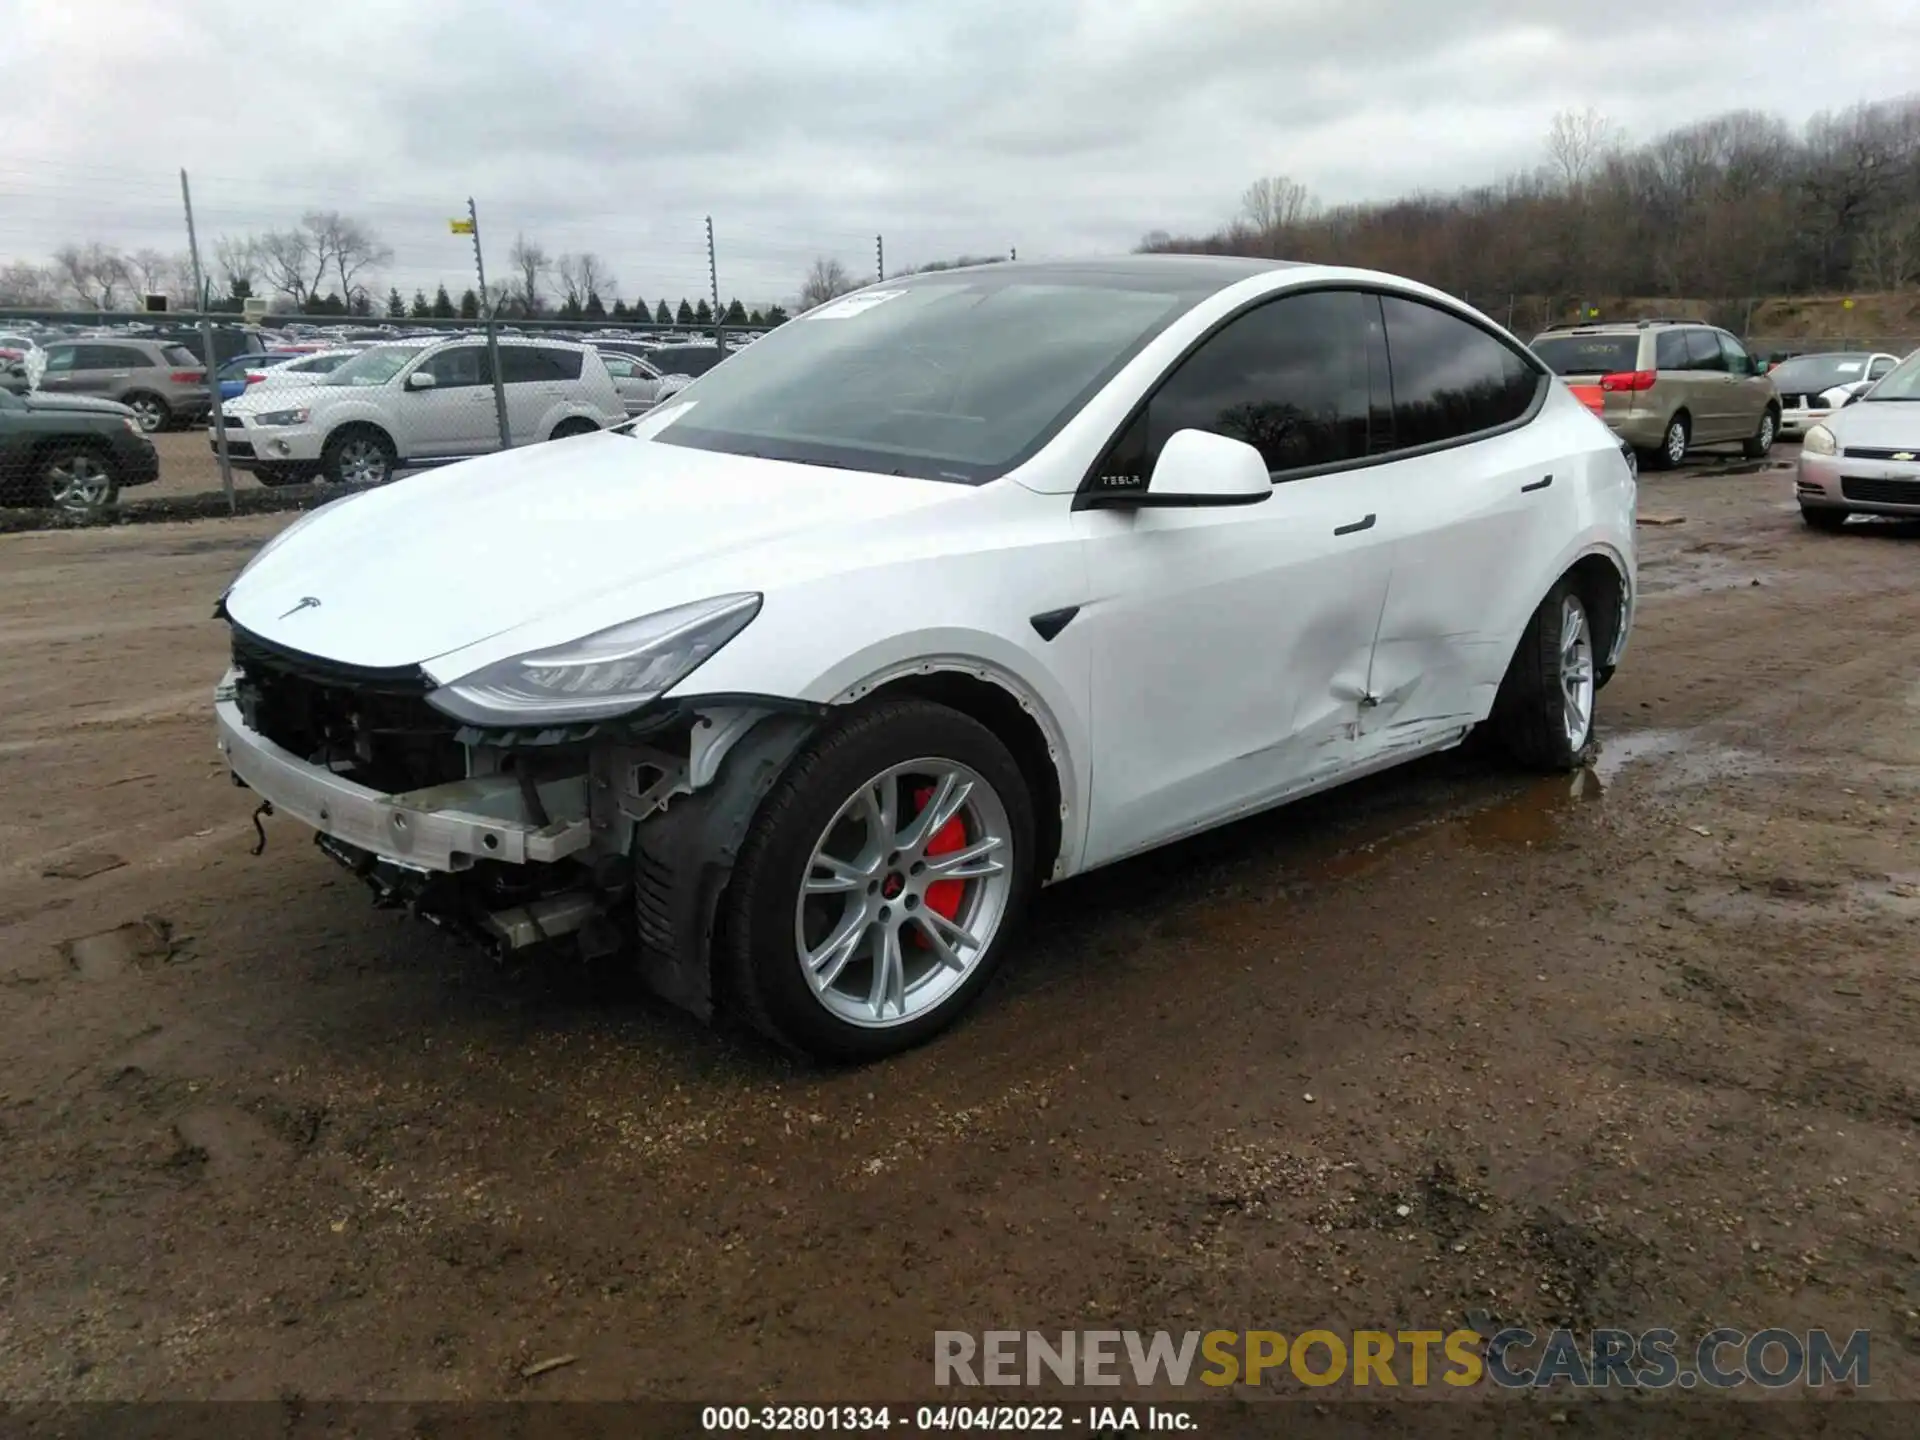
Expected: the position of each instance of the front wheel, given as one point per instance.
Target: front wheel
(575, 426)
(881, 882)
(1821, 518)
(358, 457)
(1760, 443)
(1544, 711)
(76, 480)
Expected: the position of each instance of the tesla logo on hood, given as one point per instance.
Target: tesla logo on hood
(307, 602)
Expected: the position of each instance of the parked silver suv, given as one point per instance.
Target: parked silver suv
(161, 383)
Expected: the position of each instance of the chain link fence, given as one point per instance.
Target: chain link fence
(104, 410)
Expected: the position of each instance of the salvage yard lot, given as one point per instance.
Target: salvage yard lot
(1640, 1050)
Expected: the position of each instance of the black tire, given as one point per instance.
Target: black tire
(342, 460)
(759, 970)
(1758, 445)
(1530, 712)
(1819, 517)
(76, 479)
(576, 425)
(153, 413)
(274, 476)
(1677, 437)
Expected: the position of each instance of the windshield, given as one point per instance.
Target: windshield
(1813, 373)
(1588, 354)
(958, 379)
(1900, 383)
(374, 367)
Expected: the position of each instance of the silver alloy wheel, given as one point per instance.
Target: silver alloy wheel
(1766, 432)
(1676, 442)
(1576, 672)
(149, 412)
(79, 483)
(362, 461)
(876, 948)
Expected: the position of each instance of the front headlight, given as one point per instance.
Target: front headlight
(1818, 441)
(282, 417)
(608, 673)
(132, 425)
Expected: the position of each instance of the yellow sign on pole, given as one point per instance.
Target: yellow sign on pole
(1846, 304)
(460, 227)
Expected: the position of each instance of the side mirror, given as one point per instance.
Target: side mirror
(421, 380)
(1761, 367)
(1197, 468)
(1853, 399)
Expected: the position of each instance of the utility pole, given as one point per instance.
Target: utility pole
(472, 228)
(213, 363)
(713, 273)
(879, 257)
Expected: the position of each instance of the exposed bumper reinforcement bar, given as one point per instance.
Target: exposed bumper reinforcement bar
(421, 830)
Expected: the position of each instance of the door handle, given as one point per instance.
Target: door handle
(1355, 527)
(1537, 485)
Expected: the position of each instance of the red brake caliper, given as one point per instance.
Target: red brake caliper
(943, 895)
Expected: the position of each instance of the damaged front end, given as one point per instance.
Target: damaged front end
(611, 836)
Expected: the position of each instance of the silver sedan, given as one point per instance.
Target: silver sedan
(1864, 459)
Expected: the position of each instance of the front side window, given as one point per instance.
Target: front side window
(1735, 355)
(462, 365)
(1703, 351)
(958, 377)
(1451, 379)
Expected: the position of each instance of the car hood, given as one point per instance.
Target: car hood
(557, 540)
(38, 400)
(1878, 424)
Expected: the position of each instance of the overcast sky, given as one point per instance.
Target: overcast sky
(806, 127)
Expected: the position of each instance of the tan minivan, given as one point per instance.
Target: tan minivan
(1668, 385)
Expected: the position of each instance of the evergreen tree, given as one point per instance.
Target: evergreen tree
(663, 316)
(685, 315)
(361, 304)
(442, 304)
(396, 307)
(595, 308)
(422, 307)
(620, 309)
(756, 318)
(469, 305)
(736, 313)
(704, 314)
(777, 315)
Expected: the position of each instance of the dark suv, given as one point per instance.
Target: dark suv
(70, 453)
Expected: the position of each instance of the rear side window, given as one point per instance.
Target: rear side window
(1451, 379)
(61, 358)
(565, 363)
(535, 364)
(176, 355)
(1703, 351)
(1588, 354)
(1290, 378)
(1670, 350)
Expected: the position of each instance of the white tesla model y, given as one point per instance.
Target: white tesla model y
(797, 688)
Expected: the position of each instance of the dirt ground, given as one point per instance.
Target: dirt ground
(1452, 1044)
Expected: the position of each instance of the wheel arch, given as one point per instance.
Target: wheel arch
(359, 422)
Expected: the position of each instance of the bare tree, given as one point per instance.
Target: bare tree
(29, 286)
(1888, 254)
(351, 245)
(826, 279)
(1273, 207)
(1577, 141)
(582, 277)
(531, 264)
(291, 264)
(97, 274)
(238, 260)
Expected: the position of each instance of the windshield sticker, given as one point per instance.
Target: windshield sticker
(852, 305)
(1849, 367)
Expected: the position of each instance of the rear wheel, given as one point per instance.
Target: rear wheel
(881, 883)
(1544, 712)
(1820, 518)
(77, 480)
(151, 411)
(1673, 444)
(1761, 442)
